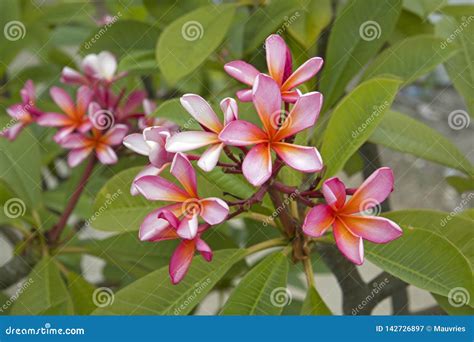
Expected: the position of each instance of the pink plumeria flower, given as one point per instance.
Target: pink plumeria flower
(257, 165)
(129, 110)
(204, 114)
(74, 117)
(101, 67)
(165, 227)
(23, 113)
(82, 145)
(149, 120)
(187, 202)
(350, 224)
(150, 143)
(279, 64)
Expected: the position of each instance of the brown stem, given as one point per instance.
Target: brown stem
(55, 232)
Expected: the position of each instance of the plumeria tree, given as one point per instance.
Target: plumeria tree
(206, 187)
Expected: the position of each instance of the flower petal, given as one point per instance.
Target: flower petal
(63, 100)
(303, 115)
(148, 106)
(154, 228)
(201, 111)
(204, 249)
(267, 101)
(290, 96)
(53, 120)
(187, 141)
(106, 154)
(156, 188)
(373, 191)
(257, 165)
(184, 172)
(334, 192)
(28, 93)
(245, 95)
(210, 157)
(230, 109)
(181, 260)
(134, 100)
(214, 210)
(107, 65)
(75, 140)
(137, 143)
(242, 133)
(115, 135)
(148, 170)
(350, 245)
(83, 98)
(12, 132)
(277, 51)
(307, 70)
(318, 220)
(63, 133)
(242, 71)
(188, 227)
(302, 158)
(71, 76)
(76, 156)
(372, 228)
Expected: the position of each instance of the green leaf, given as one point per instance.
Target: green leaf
(409, 24)
(402, 133)
(267, 20)
(20, 164)
(263, 290)
(168, 10)
(139, 62)
(154, 294)
(44, 292)
(461, 184)
(115, 209)
(359, 31)
(189, 40)
(424, 259)
(314, 304)
(310, 21)
(423, 7)
(218, 182)
(411, 58)
(82, 294)
(173, 110)
(121, 38)
(457, 309)
(455, 228)
(4, 304)
(353, 121)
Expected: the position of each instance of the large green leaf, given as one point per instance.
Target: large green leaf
(409, 24)
(354, 120)
(402, 133)
(173, 110)
(189, 40)
(359, 31)
(263, 290)
(218, 182)
(314, 304)
(411, 58)
(154, 294)
(44, 292)
(424, 259)
(267, 20)
(457, 309)
(20, 166)
(461, 184)
(423, 7)
(310, 21)
(121, 38)
(82, 294)
(457, 229)
(115, 209)
(458, 30)
(168, 10)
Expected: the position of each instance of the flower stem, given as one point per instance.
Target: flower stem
(308, 270)
(265, 245)
(55, 232)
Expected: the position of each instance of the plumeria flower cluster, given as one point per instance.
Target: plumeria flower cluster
(237, 145)
(96, 120)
